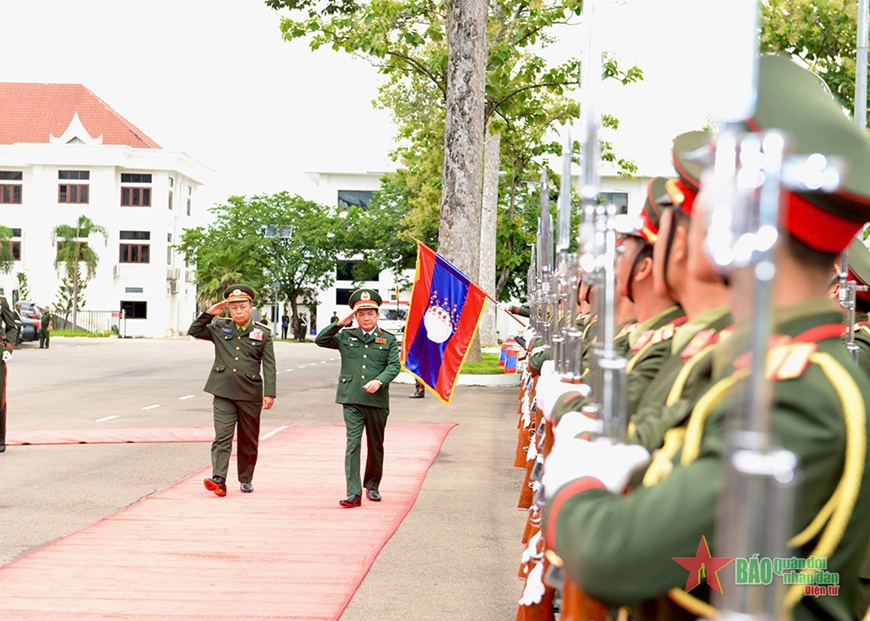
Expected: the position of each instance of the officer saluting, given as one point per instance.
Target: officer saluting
(239, 387)
(369, 362)
(8, 336)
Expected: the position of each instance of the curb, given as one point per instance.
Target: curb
(469, 380)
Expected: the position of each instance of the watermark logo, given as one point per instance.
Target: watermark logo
(703, 565)
(811, 572)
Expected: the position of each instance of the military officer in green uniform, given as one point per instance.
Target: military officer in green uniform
(369, 362)
(242, 380)
(45, 329)
(8, 337)
(620, 549)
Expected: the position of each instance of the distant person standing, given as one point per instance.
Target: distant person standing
(369, 362)
(8, 337)
(334, 317)
(19, 322)
(303, 329)
(240, 387)
(285, 324)
(45, 326)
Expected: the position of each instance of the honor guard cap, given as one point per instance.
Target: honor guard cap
(797, 102)
(238, 293)
(681, 192)
(646, 225)
(364, 298)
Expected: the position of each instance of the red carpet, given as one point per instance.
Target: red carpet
(287, 551)
(116, 436)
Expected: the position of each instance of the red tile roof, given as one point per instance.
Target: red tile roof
(30, 112)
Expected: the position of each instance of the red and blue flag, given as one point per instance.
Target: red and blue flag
(445, 309)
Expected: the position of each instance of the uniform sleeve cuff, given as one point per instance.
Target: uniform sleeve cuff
(567, 491)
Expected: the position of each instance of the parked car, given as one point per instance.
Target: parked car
(393, 320)
(29, 326)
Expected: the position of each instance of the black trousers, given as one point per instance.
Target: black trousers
(374, 421)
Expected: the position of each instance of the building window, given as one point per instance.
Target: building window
(169, 249)
(135, 178)
(170, 200)
(15, 242)
(188, 206)
(342, 296)
(171, 182)
(10, 192)
(353, 198)
(74, 174)
(72, 193)
(135, 252)
(135, 310)
(620, 199)
(135, 197)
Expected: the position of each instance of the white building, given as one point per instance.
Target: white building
(354, 187)
(65, 153)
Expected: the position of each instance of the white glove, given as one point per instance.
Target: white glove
(529, 334)
(612, 464)
(7, 355)
(502, 306)
(573, 424)
(550, 388)
(534, 591)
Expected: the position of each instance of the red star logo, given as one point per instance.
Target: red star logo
(702, 562)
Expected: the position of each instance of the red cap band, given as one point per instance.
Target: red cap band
(819, 229)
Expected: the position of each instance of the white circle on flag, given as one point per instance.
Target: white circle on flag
(438, 324)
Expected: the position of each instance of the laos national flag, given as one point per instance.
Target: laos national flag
(442, 319)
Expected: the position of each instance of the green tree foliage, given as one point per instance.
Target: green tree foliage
(526, 96)
(73, 248)
(234, 248)
(67, 292)
(6, 258)
(822, 33)
(23, 286)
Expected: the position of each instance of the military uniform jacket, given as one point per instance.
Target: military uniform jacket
(363, 359)
(9, 333)
(239, 354)
(621, 548)
(653, 416)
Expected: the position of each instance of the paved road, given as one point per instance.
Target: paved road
(456, 554)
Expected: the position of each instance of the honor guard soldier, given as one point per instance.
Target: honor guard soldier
(369, 362)
(9, 333)
(621, 549)
(242, 380)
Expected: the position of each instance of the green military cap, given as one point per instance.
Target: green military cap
(689, 153)
(646, 225)
(859, 265)
(364, 298)
(238, 293)
(797, 101)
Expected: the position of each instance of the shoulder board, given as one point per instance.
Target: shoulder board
(789, 361)
(698, 342)
(665, 333)
(386, 332)
(626, 330)
(641, 341)
(866, 329)
(776, 350)
(263, 325)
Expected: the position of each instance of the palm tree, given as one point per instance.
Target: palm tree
(6, 258)
(73, 249)
(216, 272)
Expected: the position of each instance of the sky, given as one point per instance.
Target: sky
(213, 78)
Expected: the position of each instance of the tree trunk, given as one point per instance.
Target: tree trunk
(488, 221)
(459, 230)
(75, 303)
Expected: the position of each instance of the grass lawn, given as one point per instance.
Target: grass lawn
(489, 366)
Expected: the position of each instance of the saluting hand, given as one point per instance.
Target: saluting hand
(217, 309)
(347, 321)
(268, 402)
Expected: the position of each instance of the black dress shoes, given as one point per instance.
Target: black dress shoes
(351, 501)
(218, 485)
(247, 488)
(417, 395)
(373, 495)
